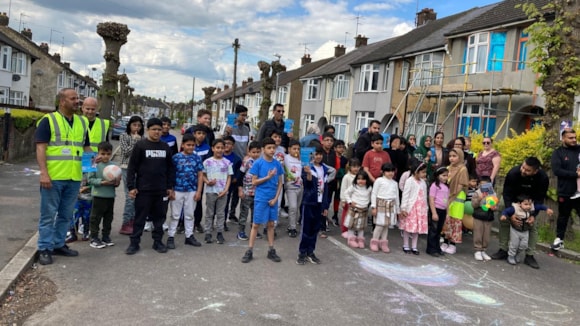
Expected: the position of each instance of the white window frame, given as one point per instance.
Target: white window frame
(363, 119)
(5, 58)
(404, 83)
(4, 95)
(18, 65)
(307, 120)
(341, 87)
(282, 94)
(477, 52)
(386, 77)
(422, 124)
(339, 122)
(312, 89)
(428, 69)
(61, 78)
(369, 78)
(16, 98)
(258, 103)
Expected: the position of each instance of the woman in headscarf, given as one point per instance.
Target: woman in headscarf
(398, 156)
(411, 144)
(458, 180)
(423, 154)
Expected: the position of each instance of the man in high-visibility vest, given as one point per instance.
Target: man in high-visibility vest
(98, 127)
(61, 138)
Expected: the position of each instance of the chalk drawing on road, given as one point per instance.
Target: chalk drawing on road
(478, 298)
(214, 306)
(271, 316)
(428, 275)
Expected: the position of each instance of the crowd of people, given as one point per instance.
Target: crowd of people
(418, 187)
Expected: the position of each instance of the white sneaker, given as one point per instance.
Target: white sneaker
(485, 256)
(444, 246)
(165, 227)
(81, 228)
(451, 249)
(478, 256)
(283, 213)
(148, 226)
(558, 244)
(576, 195)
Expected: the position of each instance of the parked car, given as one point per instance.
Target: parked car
(119, 127)
(173, 124)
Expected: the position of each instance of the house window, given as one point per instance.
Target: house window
(404, 76)
(428, 69)
(5, 56)
(70, 81)
(369, 78)
(4, 95)
(258, 100)
(363, 119)
(339, 123)
(341, 86)
(477, 48)
(522, 51)
(312, 86)
(386, 78)
(241, 100)
(475, 117)
(16, 98)
(19, 63)
(308, 119)
(421, 123)
(282, 93)
(248, 100)
(61, 79)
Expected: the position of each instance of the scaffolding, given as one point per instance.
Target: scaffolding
(436, 93)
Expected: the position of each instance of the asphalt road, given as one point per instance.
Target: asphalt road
(209, 285)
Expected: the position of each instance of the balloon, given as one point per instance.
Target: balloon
(468, 222)
(468, 208)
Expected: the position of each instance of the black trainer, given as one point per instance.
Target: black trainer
(107, 241)
(208, 238)
(301, 260)
(273, 257)
(191, 241)
(220, 238)
(292, 233)
(531, 261)
(132, 249)
(248, 256)
(199, 229)
(159, 247)
(500, 255)
(313, 259)
(233, 218)
(65, 251)
(170, 243)
(44, 257)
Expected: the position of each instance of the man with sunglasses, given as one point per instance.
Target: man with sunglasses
(277, 122)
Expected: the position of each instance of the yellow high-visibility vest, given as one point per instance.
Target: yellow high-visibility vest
(65, 149)
(98, 133)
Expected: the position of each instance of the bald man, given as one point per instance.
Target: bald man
(98, 128)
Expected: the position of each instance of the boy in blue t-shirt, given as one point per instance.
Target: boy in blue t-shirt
(268, 177)
(188, 185)
(202, 150)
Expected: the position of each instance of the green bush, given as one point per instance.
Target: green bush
(23, 119)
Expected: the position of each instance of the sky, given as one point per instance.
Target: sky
(174, 41)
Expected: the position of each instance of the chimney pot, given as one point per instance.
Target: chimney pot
(4, 20)
(305, 59)
(360, 40)
(226, 86)
(44, 47)
(56, 56)
(339, 50)
(27, 33)
(250, 80)
(425, 16)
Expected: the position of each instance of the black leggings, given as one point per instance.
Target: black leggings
(434, 232)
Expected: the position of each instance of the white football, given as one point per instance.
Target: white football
(111, 172)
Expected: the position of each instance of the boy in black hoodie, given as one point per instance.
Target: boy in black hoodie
(150, 180)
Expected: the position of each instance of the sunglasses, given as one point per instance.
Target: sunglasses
(487, 143)
(280, 111)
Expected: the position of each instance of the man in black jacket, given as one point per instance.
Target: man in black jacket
(566, 166)
(526, 179)
(363, 143)
(277, 122)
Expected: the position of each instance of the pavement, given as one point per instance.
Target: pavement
(209, 284)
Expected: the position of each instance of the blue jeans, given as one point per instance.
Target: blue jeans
(129, 211)
(56, 212)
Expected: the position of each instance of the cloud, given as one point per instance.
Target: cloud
(173, 41)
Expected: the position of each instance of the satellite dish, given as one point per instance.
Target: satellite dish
(15, 78)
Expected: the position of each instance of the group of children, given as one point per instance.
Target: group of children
(266, 173)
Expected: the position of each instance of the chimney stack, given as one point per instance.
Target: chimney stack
(44, 47)
(360, 40)
(66, 64)
(250, 80)
(27, 33)
(56, 57)
(339, 50)
(218, 90)
(425, 16)
(226, 87)
(244, 83)
(305, 59)
(4, 20)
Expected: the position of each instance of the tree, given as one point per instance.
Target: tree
(555, 56)
(208, 92)
(114, 35)
(268, 77)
